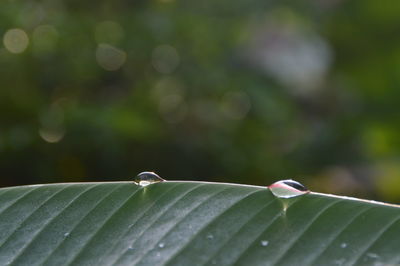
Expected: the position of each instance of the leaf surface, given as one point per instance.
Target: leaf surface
(191, 223)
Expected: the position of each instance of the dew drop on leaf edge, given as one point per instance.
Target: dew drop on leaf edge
(288, 189)
(147, 178)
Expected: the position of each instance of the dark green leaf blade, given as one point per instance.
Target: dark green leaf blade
(191, 223)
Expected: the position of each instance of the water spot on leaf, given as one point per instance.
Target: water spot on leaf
(339, 261)
(264, 243)
(372, 255)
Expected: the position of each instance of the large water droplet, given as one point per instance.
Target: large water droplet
(161, 245)
(288, 189)
(146, 178)
(264, 243)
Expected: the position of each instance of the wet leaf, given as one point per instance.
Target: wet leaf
(191, 223)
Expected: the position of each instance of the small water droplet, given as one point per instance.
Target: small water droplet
(339, 261)
(146, 178)
(161, 245)
(210, 236)
(158, 254)
(264, 243)
(372, 255)
(343, 245)
(130, 247)
(288, 189)
(66, 234)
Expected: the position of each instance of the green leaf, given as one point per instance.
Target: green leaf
(191, 223)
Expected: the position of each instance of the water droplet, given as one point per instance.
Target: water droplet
(372, 255)
(158, 254)
(161, 245)
(130, 247)
(288, 189)
(210, 236)
(343, 245)
(66, 234)
(339, 262)
(146, 178)
(264, 243)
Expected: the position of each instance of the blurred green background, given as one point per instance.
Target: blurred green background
(243, 91)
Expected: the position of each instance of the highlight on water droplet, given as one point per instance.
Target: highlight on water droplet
(264, 243)
(288, 189)
(161, 245)
(343, 245)
(210, 236)
(146, 178)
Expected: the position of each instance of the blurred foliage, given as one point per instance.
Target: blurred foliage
(236, 91)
